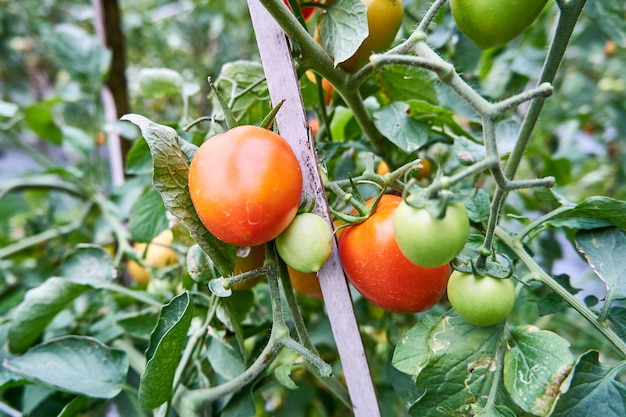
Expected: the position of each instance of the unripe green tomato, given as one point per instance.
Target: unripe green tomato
(491, 23)
(306, 244)
(426, 240)
(483, 301)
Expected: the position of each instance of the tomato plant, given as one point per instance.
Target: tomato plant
(305, 244)
(157, 254)
(491, 23)
(246, 185)
(427, 240)
(380, 272)
(248, 259)
(384, 18)
(481, 300)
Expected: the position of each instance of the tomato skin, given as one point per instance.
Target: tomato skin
(483, 301)
(246, 185)
(429, 241)
(376, 267)
(158, 255)
(384, 18)
(491, 23)
(306, 244)
(305, 283)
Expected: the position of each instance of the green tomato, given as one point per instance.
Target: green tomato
(426, 240)
(491, 23)
(306, 244)
(483, 301)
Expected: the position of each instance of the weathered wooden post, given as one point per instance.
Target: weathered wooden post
(292, 124)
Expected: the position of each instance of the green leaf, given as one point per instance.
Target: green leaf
(599, 208)
(225, 359)
(283, 376)
(479, 206)
(139, 323)
(89, 264)
(139, 160)
(593, 391)
(163, 354)
(343, 28)
(148, 217)
(243, 86)
(604, 250)
(467, 151)
(452, 360)
(159, 82)
(170, 180)
(609, 18)
(41, 304)
(535, 367)
(617, 316)
(39, 118)
(81, 55)
(77, 364)
(411, 84)
(394, 121)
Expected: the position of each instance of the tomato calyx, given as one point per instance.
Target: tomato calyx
(484, 267)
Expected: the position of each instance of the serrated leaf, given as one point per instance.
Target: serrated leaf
(459, 366)
(148, 217)
(604, 250)
(536, 367)
(394, 121)
(343, 28)
(479, 206)
(77, 364)
(89, 264)
(163, 354)
(40, 305)
(593, 391)
(170, 180)
(596, 208)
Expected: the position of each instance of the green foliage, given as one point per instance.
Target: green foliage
(78, 336)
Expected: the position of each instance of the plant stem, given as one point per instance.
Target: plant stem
(540, 275)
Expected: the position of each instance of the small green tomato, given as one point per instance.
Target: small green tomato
(306, 244)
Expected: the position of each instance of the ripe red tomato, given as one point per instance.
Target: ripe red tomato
(307, 12)
(246, 185)
(375, 266)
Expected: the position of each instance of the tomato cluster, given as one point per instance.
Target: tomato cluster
(246, 187)
(377, 268)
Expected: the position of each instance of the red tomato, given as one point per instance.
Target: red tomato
(307, 12)
(377, 268)
(246, 185)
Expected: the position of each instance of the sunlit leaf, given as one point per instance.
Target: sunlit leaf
(163, 354)
(535, 367)
(170, 180)
(77, 364)
(343, 28)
